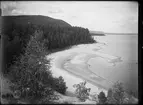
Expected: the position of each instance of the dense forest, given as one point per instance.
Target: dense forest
(30, 75)
(57, 35)
(34, 19)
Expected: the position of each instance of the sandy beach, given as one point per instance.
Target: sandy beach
(73, 65)
(100, 64)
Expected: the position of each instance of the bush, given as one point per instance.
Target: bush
(102, 98)
(60, 85)
(81, 91)
(8, 95)
(116, 94)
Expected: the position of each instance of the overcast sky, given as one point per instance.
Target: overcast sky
(118, 17)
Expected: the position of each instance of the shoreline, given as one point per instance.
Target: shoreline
(90, 79)
(70, 54)
(84, 53)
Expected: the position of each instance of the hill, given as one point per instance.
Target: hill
(57, 34)
(32, 19)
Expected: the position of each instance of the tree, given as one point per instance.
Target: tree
(116, 94)
(30, 74)
(30, 77)
(81, 91)
(102, 98)
(60, 85)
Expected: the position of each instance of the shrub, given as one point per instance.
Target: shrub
(9, 98)
(102, 98)
(81, 91)
(60, 85)
(8, 95)
(117, 95)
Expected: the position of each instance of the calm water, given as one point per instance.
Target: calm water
(126, 71)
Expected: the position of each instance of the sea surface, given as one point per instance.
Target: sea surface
(126, 71)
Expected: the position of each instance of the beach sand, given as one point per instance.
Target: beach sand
(73, 65)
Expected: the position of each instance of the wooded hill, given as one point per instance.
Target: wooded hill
(33, 19)
(57, 34)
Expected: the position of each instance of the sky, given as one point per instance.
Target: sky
(106, 16)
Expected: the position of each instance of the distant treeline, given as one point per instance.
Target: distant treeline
(97, 33)
(55, 37)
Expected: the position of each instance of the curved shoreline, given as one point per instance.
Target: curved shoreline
(110, 65)
(82, 71)
(62, 57)
(86, 60)
(76, 53)
(88, 78)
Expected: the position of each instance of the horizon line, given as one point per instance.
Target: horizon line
(118, 33)
(102, 32)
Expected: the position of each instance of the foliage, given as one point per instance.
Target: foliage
(102, 98)
(54, 37)
(9, 98)
(60, 85)
(30, 76)
(8, 95)
(81, 91)
(116, 94)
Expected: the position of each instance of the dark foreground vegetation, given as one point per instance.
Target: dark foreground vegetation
(32, 80)
(26, 43)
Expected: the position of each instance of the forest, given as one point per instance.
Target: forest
(55, 38)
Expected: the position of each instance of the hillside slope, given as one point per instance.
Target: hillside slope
(57, 34)
(7, 21)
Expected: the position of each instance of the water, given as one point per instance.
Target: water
(126, 71)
